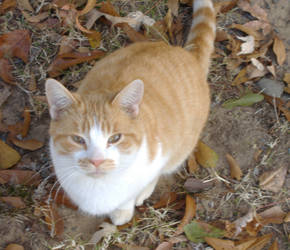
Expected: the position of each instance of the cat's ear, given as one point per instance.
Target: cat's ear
(130, 97)
(58, 97)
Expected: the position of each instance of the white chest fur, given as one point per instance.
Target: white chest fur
(103, 195)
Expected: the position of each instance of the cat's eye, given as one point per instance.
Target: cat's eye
(78, 139)
(114, 139)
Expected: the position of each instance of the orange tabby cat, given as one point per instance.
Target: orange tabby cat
(137, 115)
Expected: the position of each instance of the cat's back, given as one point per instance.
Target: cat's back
(156, 63)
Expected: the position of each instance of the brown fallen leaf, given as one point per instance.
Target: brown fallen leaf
(5, 71)
(255, 10)
(95, 39)
(13, 44)
(26, 122)
(192, 164)
(221, 35)
(224, 6)
(287, 80)
(7, 5)
(273, 180)
(23, 177)
(124, 246)
(167, 199)
(205, 156)
(24, 5)
(67, 60)
(249, 31)
(14, 247)
(236, 172)
(190, 210)
(8, 156)
(30, 144)
(275, 245)
(244, 244)
(273, 215)
(196, 185)
(279, 50)
(280, 104)
(260, 242)
(241, 77)
(259, 25)
(53, 220)
(35, 19)
(173, 5)
(164, 246)
(287, 217)
(16, 202)
(219, 244)
(61, 199)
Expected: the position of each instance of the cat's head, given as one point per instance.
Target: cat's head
(94, 133)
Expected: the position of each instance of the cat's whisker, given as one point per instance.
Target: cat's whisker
(37, 173)
(59, 180)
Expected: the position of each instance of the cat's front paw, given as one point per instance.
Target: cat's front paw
(121, 216)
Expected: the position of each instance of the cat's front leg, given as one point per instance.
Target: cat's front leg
(148, 190)
(123, 214)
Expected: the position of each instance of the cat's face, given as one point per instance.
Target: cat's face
(92, 135)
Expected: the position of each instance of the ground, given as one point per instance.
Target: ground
(256, 136)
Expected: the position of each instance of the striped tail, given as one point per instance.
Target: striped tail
(200, 40)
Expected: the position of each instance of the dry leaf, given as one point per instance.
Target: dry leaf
(107, 229)
(13, 44)
(95, 39)
(164, 246)
(53, 220)
(287, 78)
(274, 246)
(279, 50)
(5, 71)
(196, 185)
(24, 5)
(224, 6)
(256, 35)
(260, 242)
(219, 244)
(5, 92)
(16, 202)
(14, 247)
(271, 69)
(7, 5)
(35, 19)
(22, 177)
(241, 77)
(280, 104)
(221, 35)
(205, 156)
(244, 244)
(287, 217)
(273, 180)
(257, 25)
(248, 46)
(166, 199)
(192, 164)
(8, 156)
(236, 172)
(26, 122)
(255, 10)
(273, 215)
(190, 210)
(130, 247)
(60, 198)
(173, 5)
(30, 144)
(67, 60)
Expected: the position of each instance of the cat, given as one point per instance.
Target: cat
(137, 115)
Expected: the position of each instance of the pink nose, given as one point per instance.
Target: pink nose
(96, 163)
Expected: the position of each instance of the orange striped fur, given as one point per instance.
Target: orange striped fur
(170, 115)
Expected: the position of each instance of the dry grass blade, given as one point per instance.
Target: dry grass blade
(54, 221)
(190, 210)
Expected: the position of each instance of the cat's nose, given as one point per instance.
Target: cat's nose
(97, 163)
